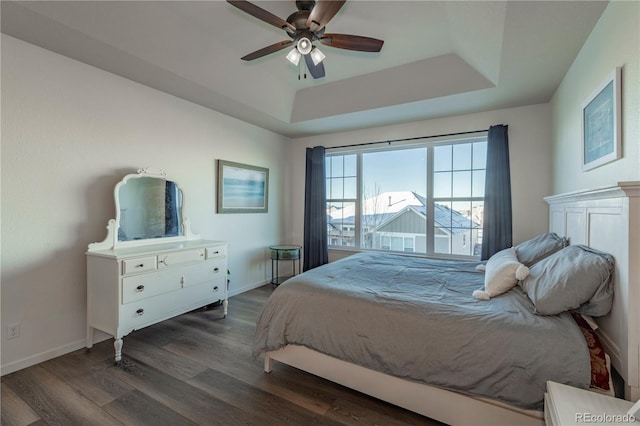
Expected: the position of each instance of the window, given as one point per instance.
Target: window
(341, 199)
(425, 198)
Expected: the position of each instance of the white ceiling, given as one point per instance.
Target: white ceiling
(439, 58)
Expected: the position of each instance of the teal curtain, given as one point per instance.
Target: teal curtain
(497, 224)
(172, 224)
(316, 251)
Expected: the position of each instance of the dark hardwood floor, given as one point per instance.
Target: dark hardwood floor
(193, 369)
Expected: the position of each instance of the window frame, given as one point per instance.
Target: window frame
(431, 201)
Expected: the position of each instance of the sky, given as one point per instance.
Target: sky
(405, 170)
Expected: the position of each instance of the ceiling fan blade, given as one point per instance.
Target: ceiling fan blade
(352, 42)
(267, 50)
(262, 14)
(316, 71)
(322, 13)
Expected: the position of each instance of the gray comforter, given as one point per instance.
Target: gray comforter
(416, 319)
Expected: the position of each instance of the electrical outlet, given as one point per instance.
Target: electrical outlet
(13, 331)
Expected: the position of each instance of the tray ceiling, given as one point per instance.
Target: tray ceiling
(440, 58)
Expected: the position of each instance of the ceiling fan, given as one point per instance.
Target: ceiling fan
(305, 26)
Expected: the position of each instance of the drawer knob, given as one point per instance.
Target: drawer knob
(140, 265)
(216, 252)
(140, 311)
(140, 288)
(215, 288)
(216, 269)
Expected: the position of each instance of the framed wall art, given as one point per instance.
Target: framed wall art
(601, 124)
(242, 188)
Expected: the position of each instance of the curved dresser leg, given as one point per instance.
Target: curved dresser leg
(225, 304)
(117, 345)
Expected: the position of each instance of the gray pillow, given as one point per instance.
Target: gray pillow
(534, 250)
(576, 277)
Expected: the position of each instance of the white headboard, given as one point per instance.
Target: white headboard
(608, 219)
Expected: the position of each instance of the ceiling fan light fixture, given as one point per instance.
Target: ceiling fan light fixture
(294, 56)
(305, 26)
(317, 56)
(304, 46)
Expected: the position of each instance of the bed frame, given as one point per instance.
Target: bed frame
(607, 219)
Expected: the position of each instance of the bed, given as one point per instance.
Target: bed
(408, 330)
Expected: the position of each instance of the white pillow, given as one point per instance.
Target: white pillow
(502, 272)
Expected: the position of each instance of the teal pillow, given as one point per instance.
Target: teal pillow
(534, 250)
(576, 277)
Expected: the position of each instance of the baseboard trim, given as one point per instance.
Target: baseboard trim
(79, 344)
(47, 355)
(236, 291)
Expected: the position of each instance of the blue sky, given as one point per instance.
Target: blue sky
(405, 170)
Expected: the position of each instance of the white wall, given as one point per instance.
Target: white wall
(614, 41)
(70, 132)
(529, 151)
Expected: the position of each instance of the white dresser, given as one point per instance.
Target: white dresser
(133, 281)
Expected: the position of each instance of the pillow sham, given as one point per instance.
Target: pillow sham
(502, 272)
(576, 277)
(534, 250)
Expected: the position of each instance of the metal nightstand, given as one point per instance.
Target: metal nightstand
(284, 252)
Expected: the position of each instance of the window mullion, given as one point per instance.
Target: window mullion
(430, 206)
(358, 209)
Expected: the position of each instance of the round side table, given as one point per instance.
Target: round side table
(284, 252)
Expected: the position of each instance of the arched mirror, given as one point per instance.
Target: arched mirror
(149, 207)
(149, 210)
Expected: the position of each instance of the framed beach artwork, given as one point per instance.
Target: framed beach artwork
(601, 124)
(242, 188)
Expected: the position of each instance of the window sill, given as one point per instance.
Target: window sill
(339, 253)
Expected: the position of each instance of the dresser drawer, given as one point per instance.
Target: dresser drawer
(149, 311)
(142, 286)
(144, 312)
(139, 264)
(218, 288)
(217, 251)
(205, 272)
(179, 258)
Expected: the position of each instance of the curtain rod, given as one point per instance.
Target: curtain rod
(408, 139)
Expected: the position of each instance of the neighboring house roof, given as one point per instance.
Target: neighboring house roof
(400, 203)
(387, 202)
(446, 219)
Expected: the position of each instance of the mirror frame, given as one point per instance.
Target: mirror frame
(112, 242)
